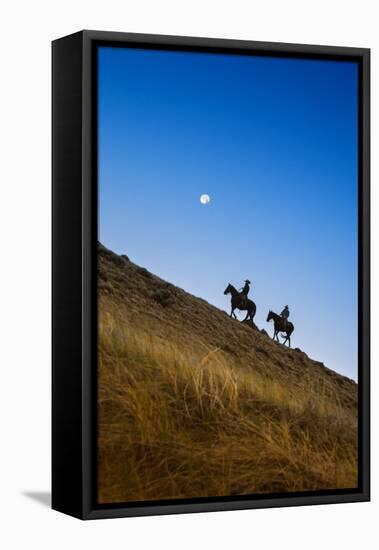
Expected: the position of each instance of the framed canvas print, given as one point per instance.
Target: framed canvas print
(210, 275)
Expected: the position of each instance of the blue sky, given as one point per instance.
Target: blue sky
(273, 141)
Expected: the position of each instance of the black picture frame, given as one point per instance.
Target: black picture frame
(74, 253)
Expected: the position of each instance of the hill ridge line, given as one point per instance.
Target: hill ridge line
(170, 294)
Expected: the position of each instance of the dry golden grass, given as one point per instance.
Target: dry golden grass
(180, 417)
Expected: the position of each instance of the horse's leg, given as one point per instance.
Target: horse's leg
(247, 316)
(289, 341)
(250, 314)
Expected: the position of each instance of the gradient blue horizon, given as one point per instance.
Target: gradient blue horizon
(273, 141)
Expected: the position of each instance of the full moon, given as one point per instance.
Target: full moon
(204, 199)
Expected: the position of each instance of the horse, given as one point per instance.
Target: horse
(281, 325)
(238, 302)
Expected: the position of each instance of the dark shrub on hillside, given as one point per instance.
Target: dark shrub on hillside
(144, 272)
(163, 296)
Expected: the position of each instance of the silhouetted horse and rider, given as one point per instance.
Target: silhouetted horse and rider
(281, 324)
(240, 300)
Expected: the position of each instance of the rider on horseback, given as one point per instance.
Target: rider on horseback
(285, 314)
(245, 291)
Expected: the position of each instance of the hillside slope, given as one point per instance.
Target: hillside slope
(193, 403)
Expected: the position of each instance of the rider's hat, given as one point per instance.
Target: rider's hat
(248, 282)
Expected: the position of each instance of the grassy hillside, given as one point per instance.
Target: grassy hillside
(192, 403)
